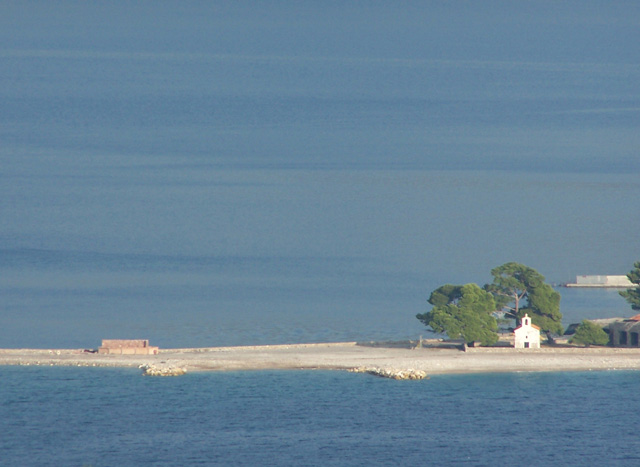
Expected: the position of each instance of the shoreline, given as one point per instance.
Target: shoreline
(344, 356)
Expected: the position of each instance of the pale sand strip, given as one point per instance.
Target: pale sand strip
(341, 356)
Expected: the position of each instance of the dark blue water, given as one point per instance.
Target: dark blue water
(103, 417)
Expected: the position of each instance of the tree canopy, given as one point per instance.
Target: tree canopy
(544, 308)
(520, 290)
(511, 284)
(462, 311)
(589, 333)
(445, 295)
(633, 295)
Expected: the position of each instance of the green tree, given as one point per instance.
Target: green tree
(633, 295)
(589, 333)
(462, 311)
(544, 308)
(519, 289)
(445, 295)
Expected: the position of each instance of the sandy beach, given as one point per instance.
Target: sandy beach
(344, 356)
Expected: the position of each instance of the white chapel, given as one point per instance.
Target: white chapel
(527, 335)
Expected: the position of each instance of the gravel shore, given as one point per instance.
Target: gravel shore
(344, 356)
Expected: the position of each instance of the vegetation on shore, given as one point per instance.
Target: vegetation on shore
(467, 311)
(589, 333)
(520, 290)
(462, 311)
(633, 295)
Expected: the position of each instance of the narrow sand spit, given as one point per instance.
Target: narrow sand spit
(343, 356)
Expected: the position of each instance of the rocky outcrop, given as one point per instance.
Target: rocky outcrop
(392, 373)
(153, 370)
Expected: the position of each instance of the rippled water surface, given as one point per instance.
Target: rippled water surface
(100, 417)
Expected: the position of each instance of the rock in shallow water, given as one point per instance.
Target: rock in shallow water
(392, 373)
(152, 370)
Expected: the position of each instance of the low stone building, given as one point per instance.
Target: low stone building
(127, 347)
(527, 335)
(625, 333)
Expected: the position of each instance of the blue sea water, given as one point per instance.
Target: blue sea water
(227, 173)
(105, 417)
(234, 173)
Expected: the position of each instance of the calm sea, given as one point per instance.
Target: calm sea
(228, 173)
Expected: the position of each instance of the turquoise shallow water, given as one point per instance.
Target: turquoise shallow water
(105, 417)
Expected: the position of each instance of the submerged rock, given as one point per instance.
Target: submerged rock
(152, 370)
(392, 373)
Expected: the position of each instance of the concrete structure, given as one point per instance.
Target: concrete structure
(622, 282)
(625, 333)
(527, 335)
(127, 347)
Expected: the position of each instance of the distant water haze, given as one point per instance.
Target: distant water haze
(233, 173)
